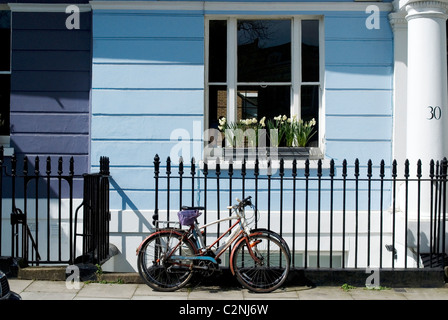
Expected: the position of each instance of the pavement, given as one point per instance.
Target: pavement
(220, 302)
(89, 290)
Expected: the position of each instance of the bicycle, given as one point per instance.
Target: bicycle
(259, 258)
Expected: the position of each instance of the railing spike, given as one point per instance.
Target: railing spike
(36, 165)
(25, 166)
(60, 161)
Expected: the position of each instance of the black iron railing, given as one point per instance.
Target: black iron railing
(96, 216)
(336, 216)
(39, 200)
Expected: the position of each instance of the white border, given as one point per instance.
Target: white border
(238, 6)
(45, 7)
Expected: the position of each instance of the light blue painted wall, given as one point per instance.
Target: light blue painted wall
(148, 79)
(358, 88)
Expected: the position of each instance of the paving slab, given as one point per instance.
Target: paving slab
(215, 293)
(323, 293)
(107, 290)
(145, 292)
(49, 286)
(426, 293)
(375, 294)
(48, 295)
(289, 293)
(18, 285)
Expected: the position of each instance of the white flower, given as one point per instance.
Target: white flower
(284, 117)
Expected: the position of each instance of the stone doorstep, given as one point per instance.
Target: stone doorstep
(42, 273)
(58, 273)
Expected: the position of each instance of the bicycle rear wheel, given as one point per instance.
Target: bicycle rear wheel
(267, 268)
(155, 266)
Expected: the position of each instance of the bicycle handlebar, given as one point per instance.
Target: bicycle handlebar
(245, 202)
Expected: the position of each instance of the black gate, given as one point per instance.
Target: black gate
(41, 203)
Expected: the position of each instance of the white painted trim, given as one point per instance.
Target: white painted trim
(296, 81)
(45, 7)
(237, 7)
(232, 62)
(296, 65)
(297, 6)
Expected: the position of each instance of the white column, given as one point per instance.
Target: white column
(400, 28)
(427, 113)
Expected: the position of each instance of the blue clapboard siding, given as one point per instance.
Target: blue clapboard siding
(358, 88)
(147, 81)
(148, 75)
(50, 88)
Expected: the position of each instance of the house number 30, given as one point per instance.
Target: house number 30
(434, 113)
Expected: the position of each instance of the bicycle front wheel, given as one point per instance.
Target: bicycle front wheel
(261, 263)
(157, 262)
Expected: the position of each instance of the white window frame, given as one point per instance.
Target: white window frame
(296, 57)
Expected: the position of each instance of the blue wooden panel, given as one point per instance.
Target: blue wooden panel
(50, 81)
(50, 123)
(148, 76)
(146, 127)
(147, 101)
(50, 87)
(51, 60)
(141, 153)
(347, 77)
(361, 127)
(45, 101)
(358, 102)
(148, 51)
(51, 39)
(50, 144)
(363, 150)
(48, 20)
(126, 178)
(352, 25)
(359, 52)
(118, 25)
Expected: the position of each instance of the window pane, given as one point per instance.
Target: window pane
(258, 102)
(217, 105)
(264, 50)
(310, 50)
(4, 103)
(310, 108)
(5, 40)
(324, 260)
(217, 51)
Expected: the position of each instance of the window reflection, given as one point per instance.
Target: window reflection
(264, 50)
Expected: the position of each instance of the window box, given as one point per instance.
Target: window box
(251, 153)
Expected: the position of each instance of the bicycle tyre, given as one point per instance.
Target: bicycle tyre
(275, 235)
(270, 270)
(165, 274)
